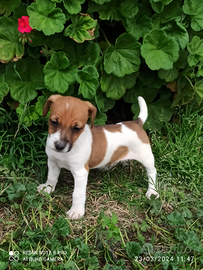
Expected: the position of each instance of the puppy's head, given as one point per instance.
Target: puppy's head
(67, 120)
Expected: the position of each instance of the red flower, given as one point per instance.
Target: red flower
(23, 25)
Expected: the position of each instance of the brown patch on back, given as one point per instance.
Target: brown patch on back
(120, 153)
(113, 128)
(137, 127)
(99, 146)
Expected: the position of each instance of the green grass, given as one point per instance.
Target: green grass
(121, 228)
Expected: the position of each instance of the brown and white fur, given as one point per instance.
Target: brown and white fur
(78, 147)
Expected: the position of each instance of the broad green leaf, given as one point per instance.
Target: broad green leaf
(192, 241)
(195, 48)
(115, 87)
(81, 54)
(82, 28)
(195, 9)
(199, 90)
(124, 58)
(10, 46)
(158, 6)
(179, 32)
(103, 103)
(185, 92)
(182, 62)
(20, 11)
(3, 265)
(171, 12)
(44, 16)
(100, 119)
(107, 11)
(139, 26)
(27, 114)
(114, 218)
(61, 227)
(24, 78)
(59, 74)
(73, 6)
(40, 104)
(180, 234)
(168, 75)
(70, 265)
(3, 88)
(159, 50)
(115, 9)
(200, 70)
(128, 8)
(7, 6)
(88, 80)
(101, 2)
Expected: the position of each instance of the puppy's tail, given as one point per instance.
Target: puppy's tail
(143, 110)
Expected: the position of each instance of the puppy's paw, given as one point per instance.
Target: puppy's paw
(151, 192)
(76, 213)
(46, 188)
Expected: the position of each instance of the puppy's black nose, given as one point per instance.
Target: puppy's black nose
(60, 145)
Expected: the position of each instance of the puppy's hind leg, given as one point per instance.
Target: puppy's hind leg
(147, 159)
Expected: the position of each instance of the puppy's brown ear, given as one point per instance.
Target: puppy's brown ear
(92, 111)
(47, 105)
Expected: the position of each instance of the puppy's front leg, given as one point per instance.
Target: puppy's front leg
(79, 194)
(52, 178)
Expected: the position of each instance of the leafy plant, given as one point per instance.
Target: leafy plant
(109, 224)
(101, 50)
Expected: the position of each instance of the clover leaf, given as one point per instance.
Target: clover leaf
(10, 46)
(115, 87)
(24, 78)
(88, 80)
(159, 50)
(73, 6)
(195, 9)
(124, 57)
(44, 16)
(3, 88)
(82, 28)
(59, 74)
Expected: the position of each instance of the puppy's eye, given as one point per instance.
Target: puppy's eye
(54, 123)
(76, 129)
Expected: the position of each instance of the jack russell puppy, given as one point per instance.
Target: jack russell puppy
(74, 145)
